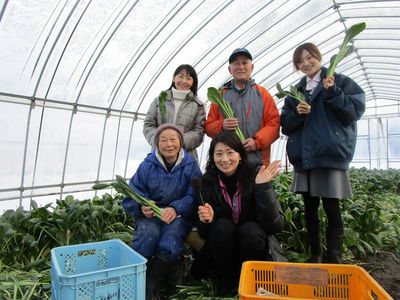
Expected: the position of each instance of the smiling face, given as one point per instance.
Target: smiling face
(183, 80)
(308, 64)
(241, 69)
(226, 159)
(169, 145)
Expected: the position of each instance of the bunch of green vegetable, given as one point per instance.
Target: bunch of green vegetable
(161, 103)
(202, 290)
(293, 92)
(123, 188)
(20, 284)
(217, 97)
(345, 49)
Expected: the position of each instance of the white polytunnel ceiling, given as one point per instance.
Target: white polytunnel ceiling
(77, 78)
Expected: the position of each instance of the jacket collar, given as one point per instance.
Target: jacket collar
(301, 86)
(190, 95)
(231, 84)
(181, 156)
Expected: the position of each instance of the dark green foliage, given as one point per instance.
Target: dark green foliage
(372, 224)
(161, 103)
(371, 218)
(28, 237)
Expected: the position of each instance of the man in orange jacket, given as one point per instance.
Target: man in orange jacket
(254, 108)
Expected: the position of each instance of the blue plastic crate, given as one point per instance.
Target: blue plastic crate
(108, 270)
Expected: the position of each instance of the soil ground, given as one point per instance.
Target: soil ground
(385, 269)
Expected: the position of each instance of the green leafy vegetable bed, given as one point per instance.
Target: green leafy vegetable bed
(28, 237)
(372, 225)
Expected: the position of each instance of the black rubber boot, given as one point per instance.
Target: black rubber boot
(334, 237)
(311, 205)
(316, 249)
(157, 279)
(314, 239)
(149, 281)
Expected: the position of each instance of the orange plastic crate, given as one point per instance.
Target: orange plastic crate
(308, 281)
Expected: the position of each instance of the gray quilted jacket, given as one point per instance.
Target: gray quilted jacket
(190, 119)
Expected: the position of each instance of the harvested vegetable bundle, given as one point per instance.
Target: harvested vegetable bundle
(217, 97)
(345, 49)
(123, 188)
(161, 103)
(294, 93)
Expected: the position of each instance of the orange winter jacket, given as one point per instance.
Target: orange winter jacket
(258, 118)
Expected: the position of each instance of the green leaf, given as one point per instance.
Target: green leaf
(34, 204)
(293, 92)
(216, 97)
(353, 31)
(100, 186)
(345, 50)
(161, 102)
(212, 92)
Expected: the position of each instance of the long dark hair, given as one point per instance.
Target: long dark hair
(191, 71)
(310, 47)
(245, 170)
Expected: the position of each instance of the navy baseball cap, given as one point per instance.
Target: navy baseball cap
(240, 51)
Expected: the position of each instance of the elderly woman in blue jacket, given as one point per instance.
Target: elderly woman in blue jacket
(322, 138)
(164, 177)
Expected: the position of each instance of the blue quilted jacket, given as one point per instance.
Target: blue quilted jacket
(153, 181)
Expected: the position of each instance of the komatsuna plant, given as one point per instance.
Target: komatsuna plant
(345, 49)
(217, 97)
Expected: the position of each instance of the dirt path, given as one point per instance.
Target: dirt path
(385, 269)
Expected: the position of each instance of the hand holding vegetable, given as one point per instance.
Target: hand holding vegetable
(168, 214)
(249, 144)
(206, 213)
(266, 174)
(303, 108)
(217, 97)
(230, 124)
(329, 82)
(148, 212)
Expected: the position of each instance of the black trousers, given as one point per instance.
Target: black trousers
(230, 245)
